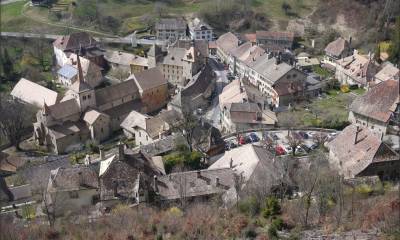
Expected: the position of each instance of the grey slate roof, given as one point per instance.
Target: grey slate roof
(72, 179)
(148, 79)
(244, 107)
(336, 48)
(269, 69)
(64, 109)
(378, 102)
(125, 89)
(194, 183)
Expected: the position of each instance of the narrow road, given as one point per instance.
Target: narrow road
(213, 114)
(4, 2)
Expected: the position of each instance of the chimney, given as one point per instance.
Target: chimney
(217, 181)
(121, 153)
(198, 174)
(231, 163)
(155, 183)
(358, 130)
(101, 154)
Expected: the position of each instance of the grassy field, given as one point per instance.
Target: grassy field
(131, 13)
(330, 111)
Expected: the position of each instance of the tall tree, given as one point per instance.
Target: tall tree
(8, 67)
(14, 117)
(394, 50)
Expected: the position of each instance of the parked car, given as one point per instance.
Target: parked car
(275, 137)
(306, 148)
(230, 78)
(314, 146)
(248, 139)
(288, 150)
(300, 150)
(241, 140)
(304, 135)
(254, 137)
(229, 145)
(279, 150)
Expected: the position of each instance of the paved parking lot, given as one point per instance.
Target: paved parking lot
(279, 139)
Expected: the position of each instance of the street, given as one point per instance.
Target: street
(213, 113)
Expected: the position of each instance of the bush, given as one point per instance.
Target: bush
(277, 223)
(272, 207)
(250, 233)
(272, 232)
(345, 88)
(249, 206)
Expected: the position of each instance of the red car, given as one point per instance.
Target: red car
(241, 140)
(279, 150)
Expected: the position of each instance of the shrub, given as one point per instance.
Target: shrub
(364, 189)
(272, 207)
(249, 206)
(250, 233)
(272, 232)
(277, 223)
(345, 88)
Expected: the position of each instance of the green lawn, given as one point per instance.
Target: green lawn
(329, 112)
(131, 14)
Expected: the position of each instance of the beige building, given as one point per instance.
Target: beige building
(275, 41)
(127, 62)
(279, 81)
(178, 64)
(171, 29)
(335, 50)
(243, 56)
(38, 95)
(386, 72)
(225, 44)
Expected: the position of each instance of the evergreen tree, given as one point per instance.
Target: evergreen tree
(8, 68)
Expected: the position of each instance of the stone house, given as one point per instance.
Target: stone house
(198, 29)
(358, 151)
(153, 88)
(146, 129)
(127, 62)
(68, 74)
(356, 70)
(179, 63)
(127, 177)
(378, 109)
(170, 29)
(81, 42)
(335, 50)
(74, 190)
(225, 44)
(196, 94)
(281, 82)
(275, 41)
(207, 139)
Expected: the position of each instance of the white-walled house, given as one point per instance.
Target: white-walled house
(198, 29)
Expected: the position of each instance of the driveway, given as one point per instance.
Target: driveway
(213, 113)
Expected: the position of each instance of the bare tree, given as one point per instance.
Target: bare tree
(187, 126)
(14, 118)
(288, 120)
(238, 182)
(119, 74)
(294, 142)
